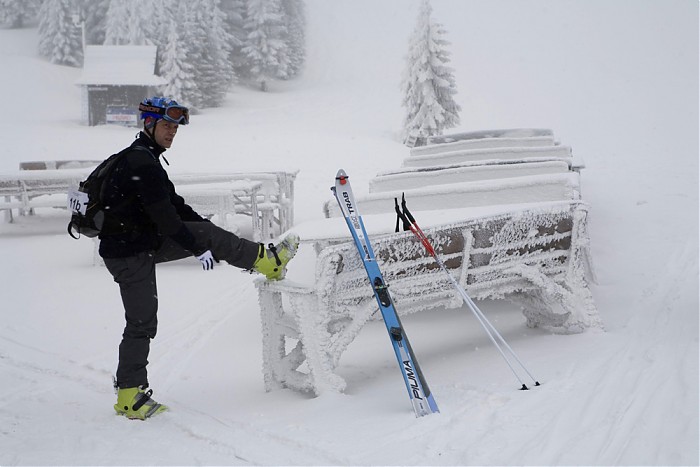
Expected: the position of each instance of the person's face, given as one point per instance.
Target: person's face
(165, 132)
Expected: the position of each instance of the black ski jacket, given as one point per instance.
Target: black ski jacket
(142, 199)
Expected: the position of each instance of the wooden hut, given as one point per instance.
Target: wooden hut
(115, 79)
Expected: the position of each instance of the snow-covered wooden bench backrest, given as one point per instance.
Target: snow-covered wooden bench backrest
(490, 134)
(528, 189)
(536, 258)
(533, 154)
(482, 143)
(410, 178)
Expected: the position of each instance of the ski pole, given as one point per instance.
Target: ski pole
(409, 223)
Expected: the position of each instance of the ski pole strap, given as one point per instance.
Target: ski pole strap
(409, 223)
(403, 213)
(400, 215)
(406, 212)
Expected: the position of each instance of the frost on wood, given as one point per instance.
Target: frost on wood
(537, 258)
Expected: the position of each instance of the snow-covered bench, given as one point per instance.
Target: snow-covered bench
(493, 135)
(521, 154)
(420, 177)
(490, 134)
(528, 189)
(483, 143)
(535, 256)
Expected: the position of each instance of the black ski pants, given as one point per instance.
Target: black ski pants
(136, 276)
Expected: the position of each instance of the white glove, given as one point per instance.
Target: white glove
(207, 260)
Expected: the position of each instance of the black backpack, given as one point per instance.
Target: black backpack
(88, 212)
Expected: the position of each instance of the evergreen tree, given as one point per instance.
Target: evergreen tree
(60, 38)
(234, 13)
(295, 20)
(207, 46)
(428, 83)
(219, 48)
(176, 68)
(190, 37)
(15, 13)
(265, 46)
(94, 13)
(128, 22)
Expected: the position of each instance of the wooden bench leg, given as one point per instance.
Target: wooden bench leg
(267, 219)
(8, 211)
(96, 258)
(560, 308)
(305, 325)
(273, 341)
(315, 338)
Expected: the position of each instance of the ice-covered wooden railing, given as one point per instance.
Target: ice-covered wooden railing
(535, 256)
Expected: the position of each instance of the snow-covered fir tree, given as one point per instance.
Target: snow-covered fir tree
(295, 19)
(234, 13)
(265, 47)
(428, 84)
(60, 39)
(129, 22)
(176, 68)
(94, 13)
(219, 41)
(207, 46)
(16, 13)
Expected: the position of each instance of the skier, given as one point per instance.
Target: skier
(156, 225)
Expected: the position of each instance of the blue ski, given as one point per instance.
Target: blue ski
(418, 390)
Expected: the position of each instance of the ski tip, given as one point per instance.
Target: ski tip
(342, 177)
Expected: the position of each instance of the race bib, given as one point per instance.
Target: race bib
(77, 201)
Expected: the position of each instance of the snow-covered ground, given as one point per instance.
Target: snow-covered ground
(618, 81)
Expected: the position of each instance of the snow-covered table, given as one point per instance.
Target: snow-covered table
(225, 199)
(267, 197)
(28, 189)
(274, 202)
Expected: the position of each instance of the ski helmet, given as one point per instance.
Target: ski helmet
(165, 108)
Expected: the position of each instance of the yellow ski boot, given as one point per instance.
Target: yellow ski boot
(136, 403)
(272, 262)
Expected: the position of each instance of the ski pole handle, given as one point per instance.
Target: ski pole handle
(409, 223)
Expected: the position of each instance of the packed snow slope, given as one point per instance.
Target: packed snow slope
(616, 80)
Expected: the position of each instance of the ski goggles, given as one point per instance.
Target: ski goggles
(173, 113)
